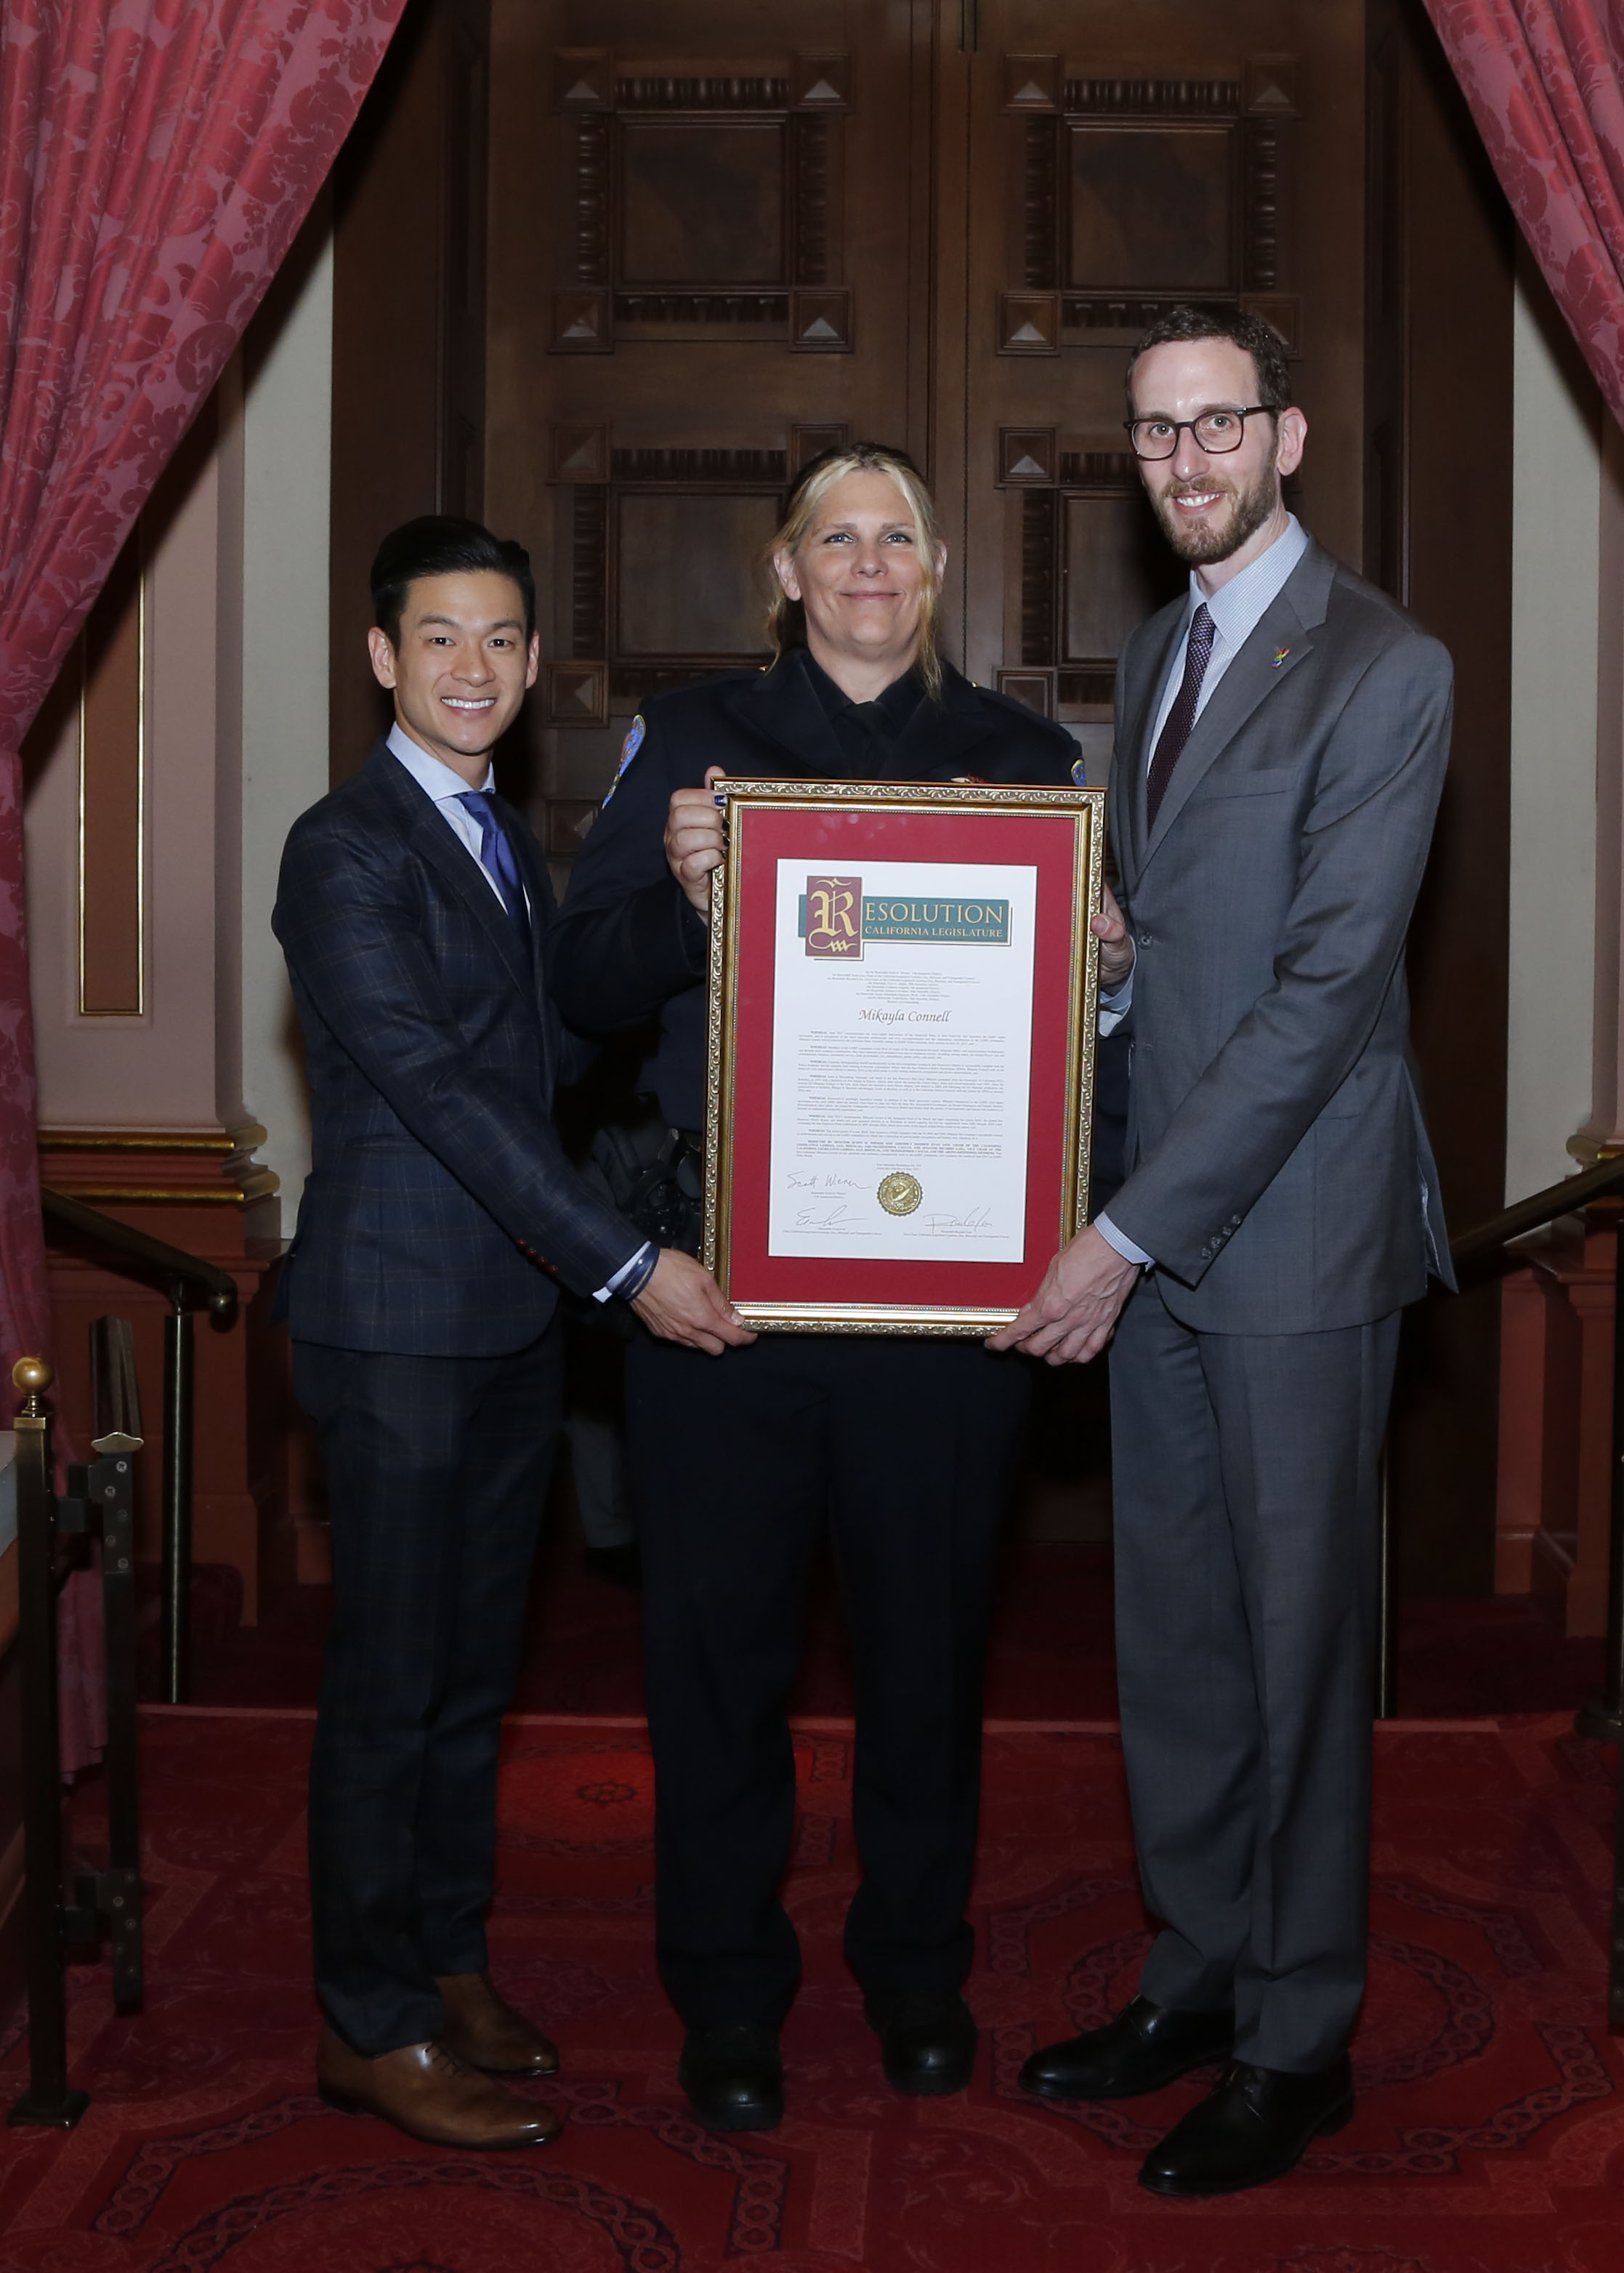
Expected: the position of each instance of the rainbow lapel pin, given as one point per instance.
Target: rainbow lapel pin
(1279, 658)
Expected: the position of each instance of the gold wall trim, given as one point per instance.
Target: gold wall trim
(222, 1141)
(127, 1159)
(258, 1186)
(1591, 1151)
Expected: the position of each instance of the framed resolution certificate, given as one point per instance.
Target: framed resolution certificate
(903, 994)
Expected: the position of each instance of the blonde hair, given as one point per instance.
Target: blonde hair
(786, 622)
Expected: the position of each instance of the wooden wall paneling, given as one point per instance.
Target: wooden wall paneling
(408, 343)
(698, 280)
(1441, 287)
(1172, 154)
(464, 98)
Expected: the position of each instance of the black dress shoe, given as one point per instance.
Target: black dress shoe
(734, 2075)
(1145, 2047)
(1256, 2123)
(927, 2041)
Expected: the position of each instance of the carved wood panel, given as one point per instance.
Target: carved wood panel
(1110, 180)
(703, 204)
(708, 263)
(1091, 566)
(636, 627)
(1139, 193)
(965, 236)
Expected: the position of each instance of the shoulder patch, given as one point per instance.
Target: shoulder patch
(629, 749)
(1079, 773)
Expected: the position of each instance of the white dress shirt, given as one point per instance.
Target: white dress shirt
(446, 787)
(1236, 608)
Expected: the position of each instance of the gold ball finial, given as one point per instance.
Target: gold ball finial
(32, 1375)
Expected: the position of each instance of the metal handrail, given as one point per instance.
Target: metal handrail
(1492, 1238)
(1539, 1209)
(191, 1284)
(1604, 1717)
(188, 1281)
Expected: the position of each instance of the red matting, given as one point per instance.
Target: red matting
(1488, 2138)
(841, 838)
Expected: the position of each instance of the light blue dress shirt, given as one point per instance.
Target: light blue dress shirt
(445, 786)
(1236, 608)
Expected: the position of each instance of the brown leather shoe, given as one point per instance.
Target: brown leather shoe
(426, 2091)
(482, 2028)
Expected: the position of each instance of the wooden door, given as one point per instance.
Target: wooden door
(408, 339)
(1114, 162)
(710, 259)
(725, 236)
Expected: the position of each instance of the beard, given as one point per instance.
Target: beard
(1200, 543)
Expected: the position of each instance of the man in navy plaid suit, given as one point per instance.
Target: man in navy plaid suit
(422, 1288)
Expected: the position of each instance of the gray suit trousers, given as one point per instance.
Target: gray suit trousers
(1245, 1479)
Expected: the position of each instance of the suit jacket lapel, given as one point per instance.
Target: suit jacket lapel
(457, 868)
(537, 883)
(1139, 717)
(1288, 623)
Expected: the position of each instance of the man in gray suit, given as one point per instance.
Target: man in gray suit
(1281, 738)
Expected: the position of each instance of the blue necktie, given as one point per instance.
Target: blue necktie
(496, 856)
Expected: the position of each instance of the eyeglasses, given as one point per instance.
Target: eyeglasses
(1216, 431)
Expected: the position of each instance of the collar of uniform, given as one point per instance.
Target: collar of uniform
(1238, 607)
(896, 705)
(435, 778)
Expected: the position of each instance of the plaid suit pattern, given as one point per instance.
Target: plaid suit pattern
(437, 1184)
(438, 1215)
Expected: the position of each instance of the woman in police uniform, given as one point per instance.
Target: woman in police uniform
(902, 1446)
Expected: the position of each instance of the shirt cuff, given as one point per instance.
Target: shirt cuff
(1123, 1244)
(632, 1276)
(1115, 1005)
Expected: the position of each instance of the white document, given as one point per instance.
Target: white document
(902, 1050)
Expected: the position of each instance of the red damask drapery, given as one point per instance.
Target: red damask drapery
(1544, 79)
(156, 158)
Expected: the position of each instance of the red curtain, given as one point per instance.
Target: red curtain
(156, 158)
(1543, 78)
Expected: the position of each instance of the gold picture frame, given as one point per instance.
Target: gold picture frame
(1082, 897)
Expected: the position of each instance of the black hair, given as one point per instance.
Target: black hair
(1260, 340)
(442, 544)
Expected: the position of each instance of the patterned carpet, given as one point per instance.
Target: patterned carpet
(1489, 2138)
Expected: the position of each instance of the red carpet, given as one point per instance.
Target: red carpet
(1489, 2138)
(1053, 1654)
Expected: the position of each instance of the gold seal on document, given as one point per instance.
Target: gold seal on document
(900, 1194)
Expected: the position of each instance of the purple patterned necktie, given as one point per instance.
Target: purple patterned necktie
(1181, 717)
(496, 857)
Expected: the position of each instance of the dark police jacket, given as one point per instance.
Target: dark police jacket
(440, 1211)
(628, 946)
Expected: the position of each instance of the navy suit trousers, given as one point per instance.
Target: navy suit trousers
(436, 1473)
(903, 1449)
